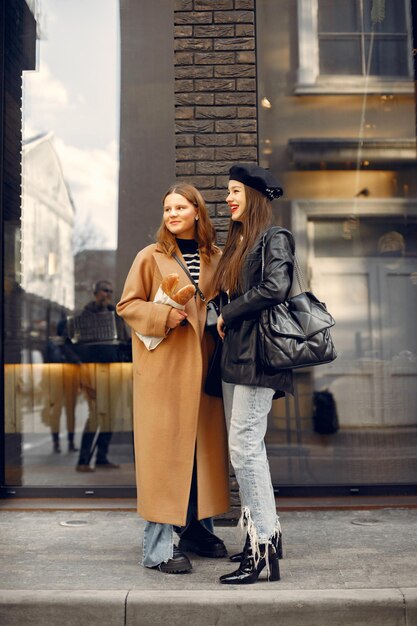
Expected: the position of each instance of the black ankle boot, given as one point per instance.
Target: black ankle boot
(179, 564)
(276, 542)
(248, 572)
(198, 539)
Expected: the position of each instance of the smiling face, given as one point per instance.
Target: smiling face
(179, 216)
(236, 200)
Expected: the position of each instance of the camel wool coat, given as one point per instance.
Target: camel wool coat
(173, 418)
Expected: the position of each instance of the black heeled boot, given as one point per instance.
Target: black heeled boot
(276, 542)
(198, 539)
(248, 572)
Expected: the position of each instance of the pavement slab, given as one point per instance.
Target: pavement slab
(83, 567)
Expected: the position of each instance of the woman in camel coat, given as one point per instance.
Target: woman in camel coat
(179, 431)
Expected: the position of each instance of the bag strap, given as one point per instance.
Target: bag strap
(297, 268)
(197, 288)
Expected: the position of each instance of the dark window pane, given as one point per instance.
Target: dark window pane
(341, 56)
(389, 56)
(338, 16)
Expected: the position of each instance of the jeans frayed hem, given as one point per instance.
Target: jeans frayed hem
(150, 552)
(247, 527)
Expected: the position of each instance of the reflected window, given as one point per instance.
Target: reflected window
(348, 29)
(352, 40)
(353, 213)
(358, 236)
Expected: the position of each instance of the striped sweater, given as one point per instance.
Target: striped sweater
(189, 250)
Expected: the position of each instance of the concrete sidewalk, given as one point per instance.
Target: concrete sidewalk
(82, 568)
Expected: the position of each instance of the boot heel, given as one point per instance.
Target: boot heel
(274, 573)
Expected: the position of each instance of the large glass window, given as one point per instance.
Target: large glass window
(351, 201)
(92, 181)
(68, 371)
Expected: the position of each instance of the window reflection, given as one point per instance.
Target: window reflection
(349, 29)
(67, 353)
(341, 151)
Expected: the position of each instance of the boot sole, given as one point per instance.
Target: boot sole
(174, 570)
(250, 581)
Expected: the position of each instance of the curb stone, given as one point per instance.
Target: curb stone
(231, 607)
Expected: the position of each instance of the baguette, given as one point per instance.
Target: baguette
(169, 284)
(184, 294)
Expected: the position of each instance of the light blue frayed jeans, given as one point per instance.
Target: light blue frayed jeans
(158, 539)
(246, 410)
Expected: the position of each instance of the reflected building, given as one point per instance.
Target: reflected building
(47, 268)
(341, 130)
(48, 215)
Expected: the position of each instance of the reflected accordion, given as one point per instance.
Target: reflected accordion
(89, 327)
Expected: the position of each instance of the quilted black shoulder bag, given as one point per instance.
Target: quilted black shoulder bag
(295, 333)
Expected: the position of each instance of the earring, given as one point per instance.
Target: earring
(196, 218)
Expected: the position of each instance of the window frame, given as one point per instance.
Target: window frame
(309, 80)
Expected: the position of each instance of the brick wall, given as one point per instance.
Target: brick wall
(215, 88)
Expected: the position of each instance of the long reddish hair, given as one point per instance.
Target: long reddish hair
(204, 234)
(241, 238)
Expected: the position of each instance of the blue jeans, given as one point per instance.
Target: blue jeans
(158, 539)
(246, 410)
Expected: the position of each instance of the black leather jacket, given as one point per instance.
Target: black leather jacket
(240, 364)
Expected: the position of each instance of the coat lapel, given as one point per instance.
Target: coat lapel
(196, 308)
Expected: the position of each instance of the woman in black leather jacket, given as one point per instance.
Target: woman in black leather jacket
(256, 271)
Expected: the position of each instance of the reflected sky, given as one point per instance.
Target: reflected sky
(75, 94)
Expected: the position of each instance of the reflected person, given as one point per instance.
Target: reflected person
(63, 383)
(97, 432)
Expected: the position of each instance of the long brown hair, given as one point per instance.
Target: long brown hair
(204, 234)
(241, 238)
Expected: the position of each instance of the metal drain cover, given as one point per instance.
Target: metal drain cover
(366, 521)
(74, 522)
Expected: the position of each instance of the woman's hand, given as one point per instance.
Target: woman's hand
(221, 328)
(175, 318)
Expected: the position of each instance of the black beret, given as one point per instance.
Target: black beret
(257, 178)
